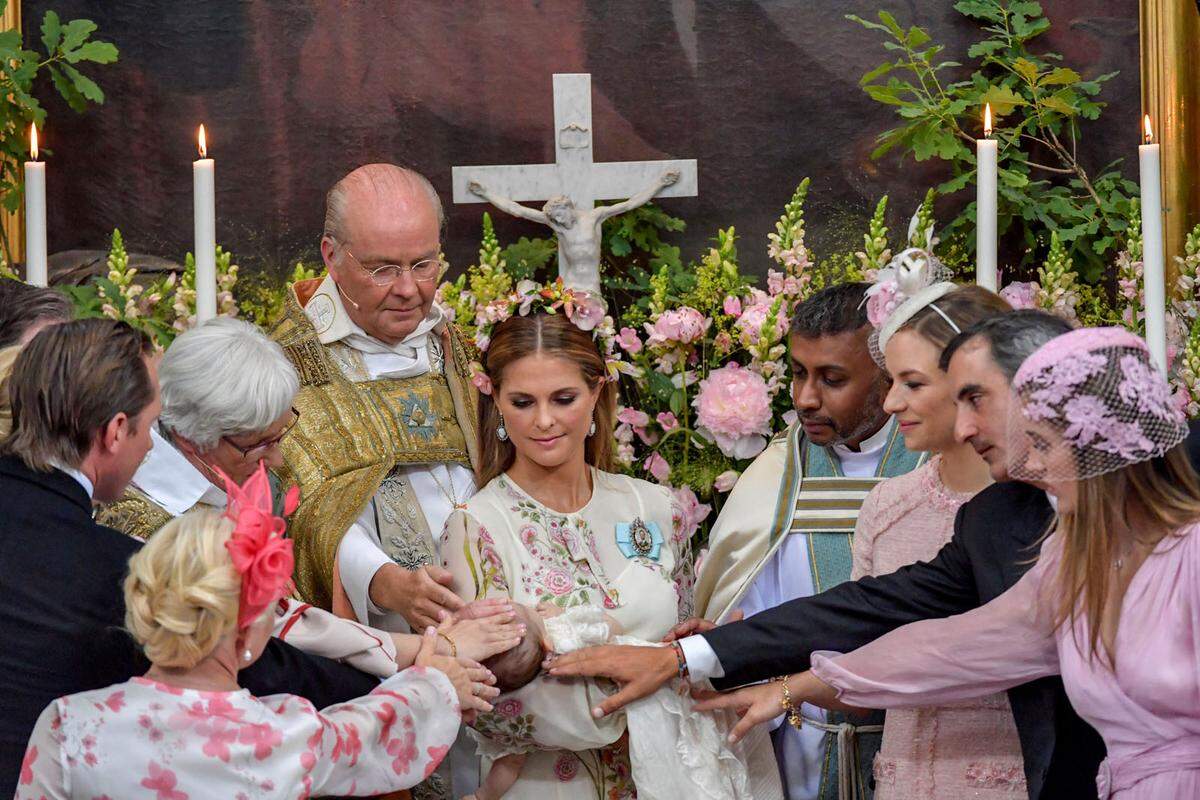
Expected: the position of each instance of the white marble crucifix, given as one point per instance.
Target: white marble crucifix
(573, 184)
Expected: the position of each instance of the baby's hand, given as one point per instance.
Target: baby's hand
(548, 610)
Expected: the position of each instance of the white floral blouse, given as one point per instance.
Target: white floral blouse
(146, 739)
(506, 544)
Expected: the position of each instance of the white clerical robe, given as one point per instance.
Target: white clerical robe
(438, 486)
(786, 576)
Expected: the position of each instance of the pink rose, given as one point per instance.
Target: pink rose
(881, 303)
(667, 420)
(733, 407)
(657, 466)
(509, 707)
(587, 311)
(726, 480)
(1021, 294)
(679, 326)
(732, 306)
(690, 510)
(566, 767)
(558, 582)
(629, 341)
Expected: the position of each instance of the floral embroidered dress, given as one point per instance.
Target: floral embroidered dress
(967, 749)
(144, 739)
(506, 544)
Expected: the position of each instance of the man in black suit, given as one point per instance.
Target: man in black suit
(996, 539)
(84, 397)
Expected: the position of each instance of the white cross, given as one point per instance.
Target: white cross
(573, 172)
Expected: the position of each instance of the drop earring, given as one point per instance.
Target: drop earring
(247, 656)
(501, 431)
(592, 429)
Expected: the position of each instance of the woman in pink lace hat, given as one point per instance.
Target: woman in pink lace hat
(1113, 603)
(967, 749)
(199, 599)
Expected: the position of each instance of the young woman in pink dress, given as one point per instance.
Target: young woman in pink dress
(200, 599)
(967, 749)
(1113, 603)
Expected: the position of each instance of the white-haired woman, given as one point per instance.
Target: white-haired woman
(227, 394)
(198, 600)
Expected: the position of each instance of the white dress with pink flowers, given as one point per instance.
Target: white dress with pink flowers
(144, 739)
(504, 543)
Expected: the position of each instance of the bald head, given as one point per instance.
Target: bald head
(373, 189)
(382, 215)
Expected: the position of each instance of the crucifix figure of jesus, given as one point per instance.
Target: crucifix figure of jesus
(573, 184)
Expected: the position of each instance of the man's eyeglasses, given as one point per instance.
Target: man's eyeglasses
(257, 451)
(424, 271)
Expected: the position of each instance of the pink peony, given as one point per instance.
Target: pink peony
(733, 306)
(734, 409)
(680, 325)
(690, 510)
(657, 466)
(667, 420)
(629, 341)
(726, 480)
(1021, 294)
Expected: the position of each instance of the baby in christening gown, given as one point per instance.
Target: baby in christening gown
(675, 753)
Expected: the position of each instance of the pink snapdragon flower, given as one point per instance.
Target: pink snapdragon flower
(732, 306)
(1021, 294)
(629, 341)
(667, 420)
(733, 407)
(726, 480)
(690, 510)
(750, 324)
(682, 325)
(657, 466)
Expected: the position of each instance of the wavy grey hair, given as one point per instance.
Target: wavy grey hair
(223, 378)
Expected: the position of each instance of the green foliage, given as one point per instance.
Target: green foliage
(261, 296)
(876, 253)
(636, 235)
(1038, 105)
(526, 257)
(68, 46)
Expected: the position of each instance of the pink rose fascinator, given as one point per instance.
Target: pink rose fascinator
(260, 552)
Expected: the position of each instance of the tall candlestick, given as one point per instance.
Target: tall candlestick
(204, 198)
(1153, 269)
(37, 271)
(986, 152)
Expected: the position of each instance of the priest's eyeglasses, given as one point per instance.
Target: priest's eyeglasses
(258, 451)
(424, 271)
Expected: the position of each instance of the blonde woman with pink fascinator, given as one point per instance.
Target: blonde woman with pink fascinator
(200, 599)
(1113, 602)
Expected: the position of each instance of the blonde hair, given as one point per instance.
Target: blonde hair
(1164, 493)
(181, 595)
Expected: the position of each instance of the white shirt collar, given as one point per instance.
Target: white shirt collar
(80, 478)
(872, 444)
(170, 480)
(332, 322)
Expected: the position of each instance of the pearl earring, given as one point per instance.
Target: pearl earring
(247, 656)
(592, 430)
(501, 431)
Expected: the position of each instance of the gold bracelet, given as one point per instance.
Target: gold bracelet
(449, 641)
(793, 714)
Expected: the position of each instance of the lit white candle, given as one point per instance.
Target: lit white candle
(986, 152)
(1153, 268)
(36, 269)
(204, 198)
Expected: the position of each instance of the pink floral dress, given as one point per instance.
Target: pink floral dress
(143, 739)
(967, 749)
(506, 544)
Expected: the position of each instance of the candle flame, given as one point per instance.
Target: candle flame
(1147, 131)
(33, 145)
(987, 120)
(203, 143)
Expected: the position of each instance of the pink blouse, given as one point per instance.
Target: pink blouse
(147, 739)
(1147, 710)
(965, 749)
